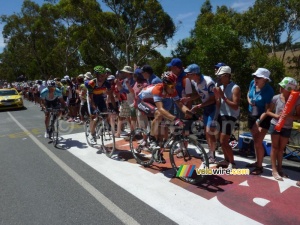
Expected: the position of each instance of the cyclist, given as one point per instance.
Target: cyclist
(51, 97)
(98, 89)
(150, 101)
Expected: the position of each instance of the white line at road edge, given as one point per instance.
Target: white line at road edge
(113, 208)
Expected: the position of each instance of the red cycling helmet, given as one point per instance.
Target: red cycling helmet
(169, 78)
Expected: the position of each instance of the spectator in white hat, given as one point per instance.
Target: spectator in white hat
(228, 97)
(259, 97)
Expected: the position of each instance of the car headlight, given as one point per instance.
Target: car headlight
(19, 100)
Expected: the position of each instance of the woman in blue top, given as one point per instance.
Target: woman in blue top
(259, 97)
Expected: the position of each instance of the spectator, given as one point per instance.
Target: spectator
(228, 98)
(281, 138)
(204, 86)
(259, 97)
(183, 84)
(126, 106)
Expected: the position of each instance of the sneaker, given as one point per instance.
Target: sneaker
(81, 122)
(223, 163)
(70, 120)
(231, 166)
(46, 135)
(92, 140)
(154, 145)
(212, 160)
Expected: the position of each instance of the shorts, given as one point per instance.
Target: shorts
(284, 132)
(52, 104)
(72, 102)
(124, 109)
(265, 124)
(227, 124)
(99, 103)
(146, 108)
(84, 109)
(208, 118)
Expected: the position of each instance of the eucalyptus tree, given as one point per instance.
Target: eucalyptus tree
(141, 26)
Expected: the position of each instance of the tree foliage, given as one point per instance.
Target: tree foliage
(69, 36)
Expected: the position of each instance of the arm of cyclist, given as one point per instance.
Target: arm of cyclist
(163, 112)
(188, 113)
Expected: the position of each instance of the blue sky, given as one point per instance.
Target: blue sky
(185, 11)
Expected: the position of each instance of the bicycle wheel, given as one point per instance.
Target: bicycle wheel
(55, 131)
(87, 132)
(187, 156)
(139, 146)
(108, 139)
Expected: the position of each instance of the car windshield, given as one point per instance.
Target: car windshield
(8, 92)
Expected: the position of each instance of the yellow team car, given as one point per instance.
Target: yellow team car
(10, 99)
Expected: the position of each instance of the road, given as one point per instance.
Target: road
(74, 184)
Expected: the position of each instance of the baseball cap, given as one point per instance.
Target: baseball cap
(67, 77)
(263, 73)
(223, 70)
(218, 65)
(193, 68)
(147, 68)
(175, 62)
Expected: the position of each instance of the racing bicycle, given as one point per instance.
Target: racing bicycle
(53, 127)
(185, 150)
(104, 131)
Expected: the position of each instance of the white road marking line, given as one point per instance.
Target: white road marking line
(113, 208)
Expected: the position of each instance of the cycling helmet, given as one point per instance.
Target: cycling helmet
(51, 83)
(107, 70)
(99, 70)
(169, 78)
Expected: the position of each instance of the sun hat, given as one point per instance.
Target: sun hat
(223, 70)
(263, 73)
(193, 68)
(288, 83)
(175, 62)
(127, 69)
(88, 75)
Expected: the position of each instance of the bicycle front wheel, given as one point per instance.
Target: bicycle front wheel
(55, 133)
(139, 146)
(87, 132)
(187, 157)
(108, 141)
